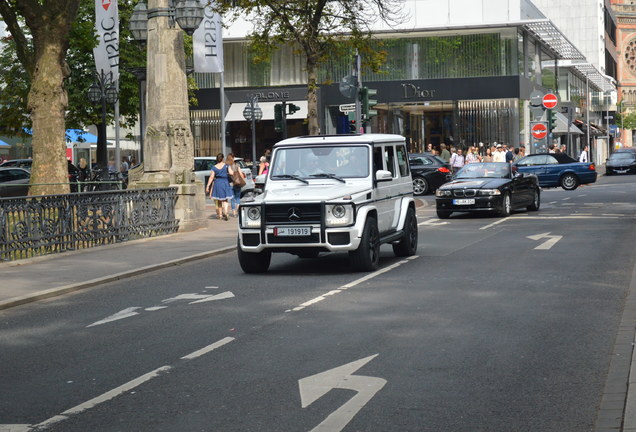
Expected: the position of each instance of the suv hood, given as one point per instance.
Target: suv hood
(314, 191)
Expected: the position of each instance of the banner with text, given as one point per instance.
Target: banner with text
(208, 43)
(106, 53)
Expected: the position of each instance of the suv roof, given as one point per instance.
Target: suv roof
(341, 139)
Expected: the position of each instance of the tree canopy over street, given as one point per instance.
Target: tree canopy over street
(318, 29)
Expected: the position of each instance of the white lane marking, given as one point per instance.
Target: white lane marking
(104, 397)
(117, 391)
(493, 224)
(155, 308)
(565, 199)
(126, 313)
(316, 386)
(546, 245)
(207, 349)
(349, 285)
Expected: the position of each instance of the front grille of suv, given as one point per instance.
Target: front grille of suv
(292, 214)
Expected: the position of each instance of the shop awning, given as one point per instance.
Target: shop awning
(562, 126)
(235, 113)
(593, 129)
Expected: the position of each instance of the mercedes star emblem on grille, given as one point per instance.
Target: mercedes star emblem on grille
(293, 214)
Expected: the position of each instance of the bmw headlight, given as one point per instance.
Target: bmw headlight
(251, 216)
(443, 193)
(338, 215)
(489, 192)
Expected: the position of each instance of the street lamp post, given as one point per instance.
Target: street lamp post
(103, 90)
(168, 142)
(253, 113)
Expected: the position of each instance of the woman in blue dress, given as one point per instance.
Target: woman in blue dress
(219, 187)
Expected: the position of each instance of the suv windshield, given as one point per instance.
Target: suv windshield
(322, 162)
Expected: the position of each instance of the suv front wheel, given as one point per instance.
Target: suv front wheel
(253, 262)
(367, 256)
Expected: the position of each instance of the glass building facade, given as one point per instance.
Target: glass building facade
(462, 87)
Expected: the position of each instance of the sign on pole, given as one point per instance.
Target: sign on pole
(550, 101)
(539, 131)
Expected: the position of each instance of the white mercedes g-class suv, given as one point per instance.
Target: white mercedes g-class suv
(331, 193)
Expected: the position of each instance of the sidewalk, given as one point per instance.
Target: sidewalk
(37, 278)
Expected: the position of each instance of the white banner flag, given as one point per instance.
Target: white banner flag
(208, 43)
(106, 53)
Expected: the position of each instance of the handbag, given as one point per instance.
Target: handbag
(237, 178)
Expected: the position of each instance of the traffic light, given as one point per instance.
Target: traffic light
(293, 108)
(551, 120)
(352, 122)
(369, 101)
(278, 117)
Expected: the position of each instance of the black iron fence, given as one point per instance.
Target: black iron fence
(41, 225)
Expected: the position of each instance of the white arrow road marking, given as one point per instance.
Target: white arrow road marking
(222, 296)
(552, 240)
(15, 428)
(198, 298)
(126, 313)
(433, 222)
(316, 386)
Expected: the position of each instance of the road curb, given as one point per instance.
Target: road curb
(54, 292)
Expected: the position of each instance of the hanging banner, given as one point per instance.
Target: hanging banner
(208, 43)
(106, 53)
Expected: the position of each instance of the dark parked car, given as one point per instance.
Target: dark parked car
(14, 181)
(73, 172)
(488, 187)
(557, 169)
(428, 171)
(621, 163)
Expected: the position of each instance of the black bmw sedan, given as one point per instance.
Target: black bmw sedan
(621, 163)
(428, 171)
(493, 187)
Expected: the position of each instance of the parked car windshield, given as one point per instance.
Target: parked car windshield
(308, 162)
(621, 156)
(484, 170)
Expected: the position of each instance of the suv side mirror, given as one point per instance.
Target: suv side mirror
(383, 175)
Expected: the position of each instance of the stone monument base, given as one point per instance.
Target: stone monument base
(190, 206)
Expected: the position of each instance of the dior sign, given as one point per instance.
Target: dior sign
(411, 91)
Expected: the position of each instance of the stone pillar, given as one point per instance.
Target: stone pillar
(168, 142)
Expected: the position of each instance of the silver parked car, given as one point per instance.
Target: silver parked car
(203, 165)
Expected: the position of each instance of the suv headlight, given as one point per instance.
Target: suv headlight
(338, 215)
(250, 216)
(443, 193)
(489, 192)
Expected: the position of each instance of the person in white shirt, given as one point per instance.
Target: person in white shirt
(500, 155)
(583, 156)
(457, 161)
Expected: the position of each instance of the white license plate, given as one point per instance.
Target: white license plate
(292, 231)
(467, 201)
(621, 171)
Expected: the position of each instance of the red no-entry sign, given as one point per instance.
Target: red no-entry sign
(550, 101)
(539, 131)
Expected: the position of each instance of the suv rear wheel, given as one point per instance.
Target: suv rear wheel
(408, 245)
(367, 256)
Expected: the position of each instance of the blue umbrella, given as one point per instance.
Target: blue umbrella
(78, 135)
(4, 144)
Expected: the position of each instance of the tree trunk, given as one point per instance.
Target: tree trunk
(47, 104)
(312, 98)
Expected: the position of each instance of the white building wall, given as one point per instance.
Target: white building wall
(582, 22)
(426, 14)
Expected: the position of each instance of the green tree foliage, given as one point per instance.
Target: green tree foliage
(318, 29)
(625, 119)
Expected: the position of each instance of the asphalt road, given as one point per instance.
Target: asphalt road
(496, 325)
